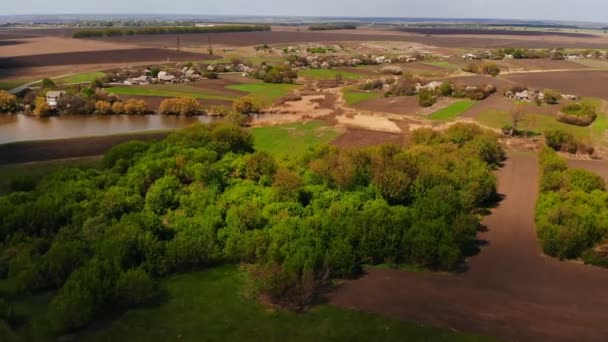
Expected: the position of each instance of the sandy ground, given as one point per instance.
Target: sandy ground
(510, 290)
(371, 122)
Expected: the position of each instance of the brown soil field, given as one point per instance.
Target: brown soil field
(52, 45)
(583, 83)
(154, 102)
(406, 105)
(283, 37)
(509, 290)
(100, 57)
(67, 148)
(539, 64)
(599, 167)
(479, 80)
(219, 85)
(492, 32)
(354, 138)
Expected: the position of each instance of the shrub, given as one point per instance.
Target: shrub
(163, 195)
(41, 107)
(103, 107)
(135, 288)
(246, 105)
(551, 96)
(426, 98)
(135, 107)
(8, 102)
(118, 108)
(558, 139)
(186, 106)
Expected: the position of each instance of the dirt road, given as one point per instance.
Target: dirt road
(511, 291)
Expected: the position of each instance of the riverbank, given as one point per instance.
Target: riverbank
(44, 150)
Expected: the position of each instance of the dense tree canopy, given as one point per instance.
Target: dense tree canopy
(203, 197)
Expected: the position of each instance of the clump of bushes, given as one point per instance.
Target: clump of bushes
(275, 74)
(246, 105)
(483, 69)
(560, 140)
(8, 102)
(578, 113)
(571, 212)
(185, 106)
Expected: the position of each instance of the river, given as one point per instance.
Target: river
(14, 128)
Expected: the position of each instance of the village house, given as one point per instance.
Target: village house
(432, 86)
(469, 57)
(52, 98)
(164, 77)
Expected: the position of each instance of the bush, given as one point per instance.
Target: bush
(135, 107)
(186, 106)
(103, 107)
(246, 105)
(163, 195)
(8, 102)
(558, 139)
(426, 98)
(551, 96)
(578, 113)
(41, 107)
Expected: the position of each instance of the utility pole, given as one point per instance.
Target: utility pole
(179, 49)
(210, 49)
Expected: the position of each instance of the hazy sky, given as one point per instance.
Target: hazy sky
(583, 10)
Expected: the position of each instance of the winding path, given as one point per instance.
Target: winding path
(510, 291)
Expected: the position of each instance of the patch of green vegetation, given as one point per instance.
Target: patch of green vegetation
(537, 123)
(292, 139)
(265, 92)
(329, 74)
(11, 84)
(86, 77)
(33, 171)
(353, 96)
(452, 111)
(171, 90)
(214, 304)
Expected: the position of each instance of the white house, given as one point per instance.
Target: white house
(52, 97)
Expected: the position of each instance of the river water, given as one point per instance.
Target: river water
(15, 128)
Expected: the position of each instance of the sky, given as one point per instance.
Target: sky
(568, 10)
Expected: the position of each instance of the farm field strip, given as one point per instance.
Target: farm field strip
(172, 91)
(452, 111)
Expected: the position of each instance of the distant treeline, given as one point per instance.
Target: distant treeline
(113, 32)
(325, 27)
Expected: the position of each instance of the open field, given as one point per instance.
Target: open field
(171, 90)
(24, 152)
(104, 56)
(284, 37)
(452, 111)
(581, 83)
(214, 304)
(406, 105)
(492, 32)
(353, 96)
(265, 92)
(292, 139)
(85, 77)
(509, 291)
(330, 74)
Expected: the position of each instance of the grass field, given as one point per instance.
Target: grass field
(171, 90)
(10, 172)
(353, 96)
(443, 65)
(86, 77)
(214, 305)
(329, 74)
(452, 111)
(12, 83)
(292, 139)
(265, 92)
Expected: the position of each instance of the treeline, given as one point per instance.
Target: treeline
(132, 31)
(326, 27)
(203, 196)
(571, 213)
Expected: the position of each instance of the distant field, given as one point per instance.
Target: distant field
(329, 74)
(353, 96)
(452, 111)
(80, 78)
(265, 92)
(171, 90)
(213, 305)
(11, 84)
(443, 64)
(292, 139)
